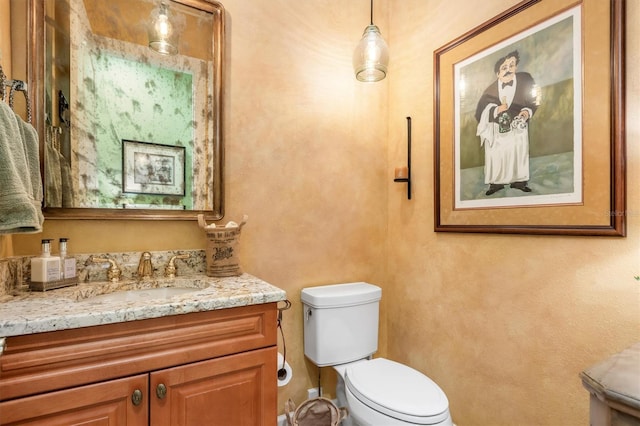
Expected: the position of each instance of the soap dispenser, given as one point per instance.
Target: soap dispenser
(68, 270)
(45, 268)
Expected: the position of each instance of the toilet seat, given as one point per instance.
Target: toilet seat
(397, 391)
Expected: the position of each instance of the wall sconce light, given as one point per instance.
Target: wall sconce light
(163, 30)
(371, 57)
(403, 174)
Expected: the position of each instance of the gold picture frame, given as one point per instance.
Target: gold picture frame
(565, 172)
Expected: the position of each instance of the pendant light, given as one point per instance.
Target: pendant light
(163, 34)
(371, 57)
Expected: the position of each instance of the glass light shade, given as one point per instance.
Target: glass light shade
(163, 34)
(371, 57)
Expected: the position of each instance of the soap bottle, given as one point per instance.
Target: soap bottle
(45, 268)
(68, 269)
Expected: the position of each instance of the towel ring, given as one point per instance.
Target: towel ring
(15, 86)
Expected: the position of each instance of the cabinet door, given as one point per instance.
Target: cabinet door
(236, 390)
(106, 403)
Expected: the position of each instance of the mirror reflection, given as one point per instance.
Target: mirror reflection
(131, 117)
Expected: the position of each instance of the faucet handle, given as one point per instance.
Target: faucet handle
(113, 273)
(170, 270)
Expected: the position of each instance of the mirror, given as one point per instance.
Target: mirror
(125, 131)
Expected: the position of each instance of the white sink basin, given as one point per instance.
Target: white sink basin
(141, 295)
(136, 290)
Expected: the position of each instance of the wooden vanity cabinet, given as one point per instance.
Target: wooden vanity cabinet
(106, 403)
(213, 368)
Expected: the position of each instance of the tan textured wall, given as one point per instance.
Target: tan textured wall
(5, 36)
(503, 323)
(306, 157)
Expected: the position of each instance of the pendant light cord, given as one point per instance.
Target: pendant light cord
(371, 12)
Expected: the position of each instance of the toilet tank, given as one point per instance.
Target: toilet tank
(340, 322)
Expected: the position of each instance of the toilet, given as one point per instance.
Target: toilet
(341, 331)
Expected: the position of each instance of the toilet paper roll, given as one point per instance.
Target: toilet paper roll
(283, 377)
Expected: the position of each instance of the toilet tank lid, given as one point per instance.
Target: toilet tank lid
(338, 295)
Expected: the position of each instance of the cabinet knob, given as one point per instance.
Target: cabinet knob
(136, 397)
(161, 391)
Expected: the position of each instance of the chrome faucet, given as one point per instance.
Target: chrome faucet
(113, 273)
(171, 270)
(145, 267)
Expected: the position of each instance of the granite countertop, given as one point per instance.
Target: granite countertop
(73, 307)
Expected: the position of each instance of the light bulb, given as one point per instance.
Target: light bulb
(162, 25)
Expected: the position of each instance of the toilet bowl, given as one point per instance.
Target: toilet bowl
(341, 330)
(384, 392)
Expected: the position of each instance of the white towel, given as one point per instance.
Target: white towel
(486, 129)
(20, 211)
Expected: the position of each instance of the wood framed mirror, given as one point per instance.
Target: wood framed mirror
(127, 132)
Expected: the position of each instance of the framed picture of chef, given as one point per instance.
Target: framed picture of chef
(515, 139)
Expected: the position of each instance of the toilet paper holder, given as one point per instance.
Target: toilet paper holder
(282, 372)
